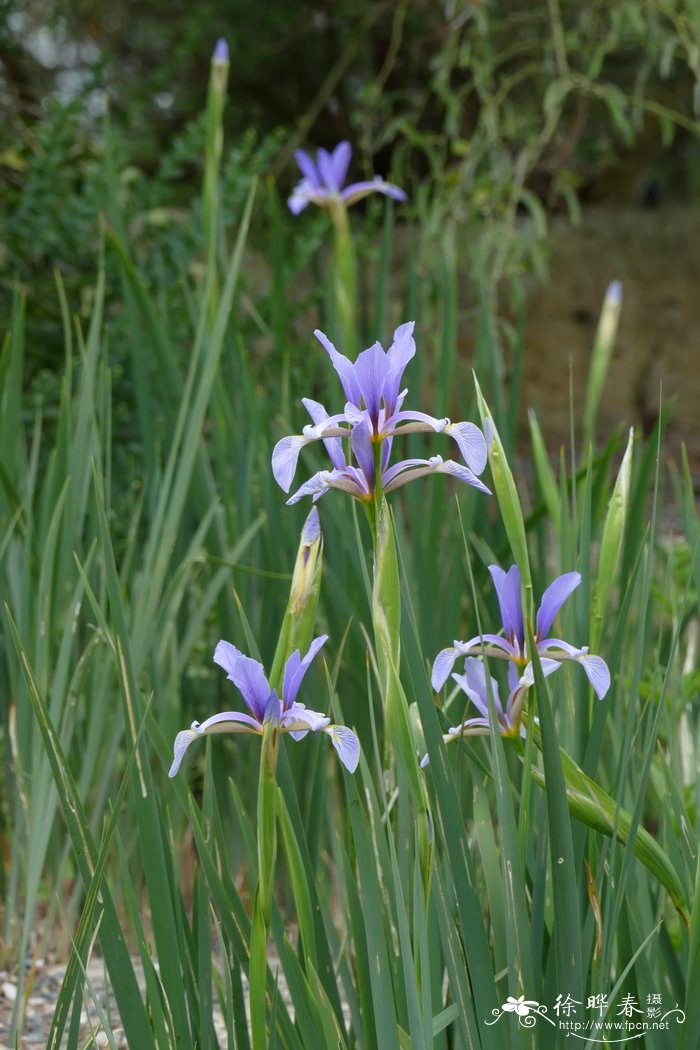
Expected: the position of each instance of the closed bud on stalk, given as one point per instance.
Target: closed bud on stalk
(307, 569)
(300, 615)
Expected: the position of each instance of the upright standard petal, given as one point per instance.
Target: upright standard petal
(507, 586)
(363, 452)
(370, 371)
(247, 675)
(400, 352)
(336, 171)
(344, 368)
(307, 168)
(553, 599)
(295, 669)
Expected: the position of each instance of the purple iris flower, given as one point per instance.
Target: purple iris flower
(360, 480)
(373, 414)
(265, 706)
(323, 181)
(512, 646)
(473, 683)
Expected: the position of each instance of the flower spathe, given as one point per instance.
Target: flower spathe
(323, 181)
(512, 645)
(474, 684)
(265, 706)
(374, 415)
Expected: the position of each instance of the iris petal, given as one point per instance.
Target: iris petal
(553, 599)
(507, 586)
(246, 674)
(346, 744)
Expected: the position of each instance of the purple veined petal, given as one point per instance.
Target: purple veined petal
(477, 683)
(285, 457)
(246, 674)
(462, 473)
(224, 722)
(363, 452)
(408, 470)
(445, 660)
(476, 698)
(273, 709)
(400, 352)
(317, 486)
(371, 372)
(340, 162)
(507, 586)
(349, 480)
(392, 472)
(226, 655)
(548, 667)
(553, 599)
(302, 195)
(326, 170)
(471, 727)
(182, 742)
(355, 416)
(595, 667)
(514, 705)
(308, 168)
(346, 744)
(568, 651)
(299, 720)
(333, 446)
(385, 454)
(295, 669)
(357, 190)
(344, 368)
(471, 443)
(489, 645)
(228, 722)
(597, 672)
(442, 666)
(414, 423)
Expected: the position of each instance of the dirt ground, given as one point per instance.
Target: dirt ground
(655, 253)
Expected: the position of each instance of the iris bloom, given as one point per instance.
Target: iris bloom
(323, 181)
(473, 683)
(374, 414)
(512, 646)
(265, 706)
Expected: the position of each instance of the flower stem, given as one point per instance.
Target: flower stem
(267, 853)
(345, 277)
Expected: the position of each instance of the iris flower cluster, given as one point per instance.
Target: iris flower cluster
(372, 417)
(323, 181)
(512, 646)
(265, 706)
